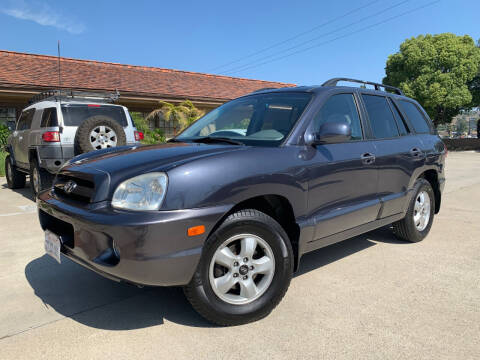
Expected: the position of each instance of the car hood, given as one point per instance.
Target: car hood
(139, 159)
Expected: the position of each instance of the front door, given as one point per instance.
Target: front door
(343, 178)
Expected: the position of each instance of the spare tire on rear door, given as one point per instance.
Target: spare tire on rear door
(99, 132)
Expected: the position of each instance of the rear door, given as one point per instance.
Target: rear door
(397, 150)
(342, 177)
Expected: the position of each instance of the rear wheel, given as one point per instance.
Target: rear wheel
(244, 272)
(419, 218)
(40, 179)
(15, 178)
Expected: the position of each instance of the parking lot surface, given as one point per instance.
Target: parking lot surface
(371, 297)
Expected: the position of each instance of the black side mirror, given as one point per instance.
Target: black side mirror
(330, 133)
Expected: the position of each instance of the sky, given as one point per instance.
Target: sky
(300, 42)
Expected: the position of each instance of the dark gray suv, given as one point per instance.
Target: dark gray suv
(227, 208)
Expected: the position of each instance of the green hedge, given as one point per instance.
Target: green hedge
(3, 155)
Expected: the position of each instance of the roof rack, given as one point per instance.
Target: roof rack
(334, 81)
(65, 94)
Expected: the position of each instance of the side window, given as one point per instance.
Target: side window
(380, 116)
(340, 108)
(21, 124)
(402, 125)
(25, 121)
(415, 116)
(49, 117)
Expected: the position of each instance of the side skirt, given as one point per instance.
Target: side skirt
(347, 234)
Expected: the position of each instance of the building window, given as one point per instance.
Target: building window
(8, 116)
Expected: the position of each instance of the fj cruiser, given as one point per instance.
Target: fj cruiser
(58, 125)
(228, 207)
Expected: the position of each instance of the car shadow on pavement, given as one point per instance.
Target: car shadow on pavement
(26, 192)
(92, 300)
(332, 253)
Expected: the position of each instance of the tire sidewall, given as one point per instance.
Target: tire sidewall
(421, 185)
(283, 268)
(82, 136)
(9, 171)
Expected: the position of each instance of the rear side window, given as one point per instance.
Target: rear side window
(76, 114)
(402, 125)
(25, 121)
(415, 116)
(340, 108)
(49, 118)
(381, 117)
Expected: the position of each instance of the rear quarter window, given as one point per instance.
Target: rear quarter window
(49, 118)
(76, 114)
(417, 119)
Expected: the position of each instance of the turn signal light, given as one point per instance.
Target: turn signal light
(138, 135)
(51, 136)
(196, 230)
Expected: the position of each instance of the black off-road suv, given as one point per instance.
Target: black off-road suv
(227, 208)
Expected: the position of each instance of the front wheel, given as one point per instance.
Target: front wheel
(15, 178)
(244, 272)
(419, 218)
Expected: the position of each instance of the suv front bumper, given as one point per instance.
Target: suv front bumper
(140, 247)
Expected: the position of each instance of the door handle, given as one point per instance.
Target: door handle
(416, 152)
(367, 158)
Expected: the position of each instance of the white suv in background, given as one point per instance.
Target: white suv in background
(59, 125)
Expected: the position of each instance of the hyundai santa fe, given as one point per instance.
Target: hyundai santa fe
(227, 208)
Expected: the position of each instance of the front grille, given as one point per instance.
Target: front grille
(83, 190)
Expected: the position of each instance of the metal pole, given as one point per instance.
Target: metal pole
(59, 70)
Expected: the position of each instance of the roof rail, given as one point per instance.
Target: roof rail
(65, 94)
(263, 89)
(334, 81)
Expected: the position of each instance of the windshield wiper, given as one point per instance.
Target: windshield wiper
(172, 140)
(214, 139)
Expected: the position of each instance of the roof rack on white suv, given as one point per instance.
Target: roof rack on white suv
(66, 94)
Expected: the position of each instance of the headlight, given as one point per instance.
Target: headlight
(144, 192)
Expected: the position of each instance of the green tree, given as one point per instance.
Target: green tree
(183, 114)
(437, 71)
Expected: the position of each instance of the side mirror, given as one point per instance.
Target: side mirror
(330, 133)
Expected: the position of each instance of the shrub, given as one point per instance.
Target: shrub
(151, 137)
(4, 134)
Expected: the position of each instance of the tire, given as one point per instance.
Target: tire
(272, 244)
(15, 178)
(84, 141)
(40, 179)
(408, 228)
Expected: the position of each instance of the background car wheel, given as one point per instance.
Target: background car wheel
(99, 132)
(15, 178)
(40, 179)
(418, 220)
(244, 272)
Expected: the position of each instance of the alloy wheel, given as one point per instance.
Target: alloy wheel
(421, 211)
(242, 269)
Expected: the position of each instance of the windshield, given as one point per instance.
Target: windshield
(75, 114)
(260, 120)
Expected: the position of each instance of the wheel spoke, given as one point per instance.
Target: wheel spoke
(225, 283)
(102, 129)
(225, 257)
(248, 289)
(263, 265)
(248, 245)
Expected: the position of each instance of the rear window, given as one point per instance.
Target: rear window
(49, 118)
(415, 116)
(75, 114)
(381, 118)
